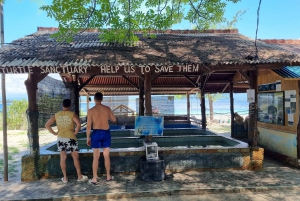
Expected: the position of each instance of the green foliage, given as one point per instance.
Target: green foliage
(50, 104)
(16, 115)
(119, 19)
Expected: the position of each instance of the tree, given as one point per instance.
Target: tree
(16, 115)
(211, 99)
(119, 19)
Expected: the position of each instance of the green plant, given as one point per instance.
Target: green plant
(119, 19)
(16, 115)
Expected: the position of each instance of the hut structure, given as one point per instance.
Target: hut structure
(278, 108)
(175, 62)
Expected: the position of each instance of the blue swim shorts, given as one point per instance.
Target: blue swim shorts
(100, 138)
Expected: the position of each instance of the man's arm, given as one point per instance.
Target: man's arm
(77, 122)
(48, 125)
(88, 127)
(112, 117)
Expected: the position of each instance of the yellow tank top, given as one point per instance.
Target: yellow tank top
(65, 124)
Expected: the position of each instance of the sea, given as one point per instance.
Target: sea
(220, 106)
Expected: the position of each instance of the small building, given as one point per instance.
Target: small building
(278, 108)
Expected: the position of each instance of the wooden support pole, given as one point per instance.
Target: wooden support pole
(32, 113)
(232, 109)
(76, 94)
(298, 129)
(148, 105)
(203, 112)
(87, 102)
(188, 106)
(252, 126)
(141, 97)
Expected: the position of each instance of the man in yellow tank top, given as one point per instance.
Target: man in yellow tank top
(66, 138)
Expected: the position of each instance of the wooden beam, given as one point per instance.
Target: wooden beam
(85, 91)
(86, 82)
(246, 86)
(244, 75)
(218, 82)
(154, 76)
(225, 87)
(129, 86)
(237, 77)
(132, 83)
(191, 81)
(204, 83)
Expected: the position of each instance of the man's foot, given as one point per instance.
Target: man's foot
(83, 178)
(111, 178)
(64, 181)
(92, 182)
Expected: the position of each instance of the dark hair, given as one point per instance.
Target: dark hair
(98, 96)
(66, 103)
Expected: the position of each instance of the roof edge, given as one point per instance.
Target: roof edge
(168, 31)
(282, 41)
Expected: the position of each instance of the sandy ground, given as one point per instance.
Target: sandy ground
(17, 142)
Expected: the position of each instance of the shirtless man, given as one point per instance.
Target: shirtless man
(98, 116)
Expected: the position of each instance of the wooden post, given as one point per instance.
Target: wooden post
(203, 112)
(76, 94)
(148, 105)
(232, 109)
(252, 126)
(87, 102)
(202, 102)
(32, 113)
(141, 97)
(188, 106)
(4, 114)
(4, 126)
(298, 129)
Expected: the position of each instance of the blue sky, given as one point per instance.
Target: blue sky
(279, 19)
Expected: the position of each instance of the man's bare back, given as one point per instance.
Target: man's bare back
(99, 115)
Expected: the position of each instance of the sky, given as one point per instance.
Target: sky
(278, 19)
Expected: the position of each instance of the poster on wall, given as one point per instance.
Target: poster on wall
(270, 107)
(291, 119)
(149, 125)
(290, 101)
(250, 95)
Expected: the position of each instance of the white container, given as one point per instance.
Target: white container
(151, 151)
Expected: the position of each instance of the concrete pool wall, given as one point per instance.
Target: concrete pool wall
(235, 156)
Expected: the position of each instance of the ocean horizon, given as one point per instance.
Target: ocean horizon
(220, 106)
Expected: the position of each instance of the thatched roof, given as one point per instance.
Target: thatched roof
(213, 48)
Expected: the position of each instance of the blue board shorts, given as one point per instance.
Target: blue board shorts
(100, 138)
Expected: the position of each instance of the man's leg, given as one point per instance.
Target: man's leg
(63, 157)
(76, 161)
(107, 162)
(96, 155)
